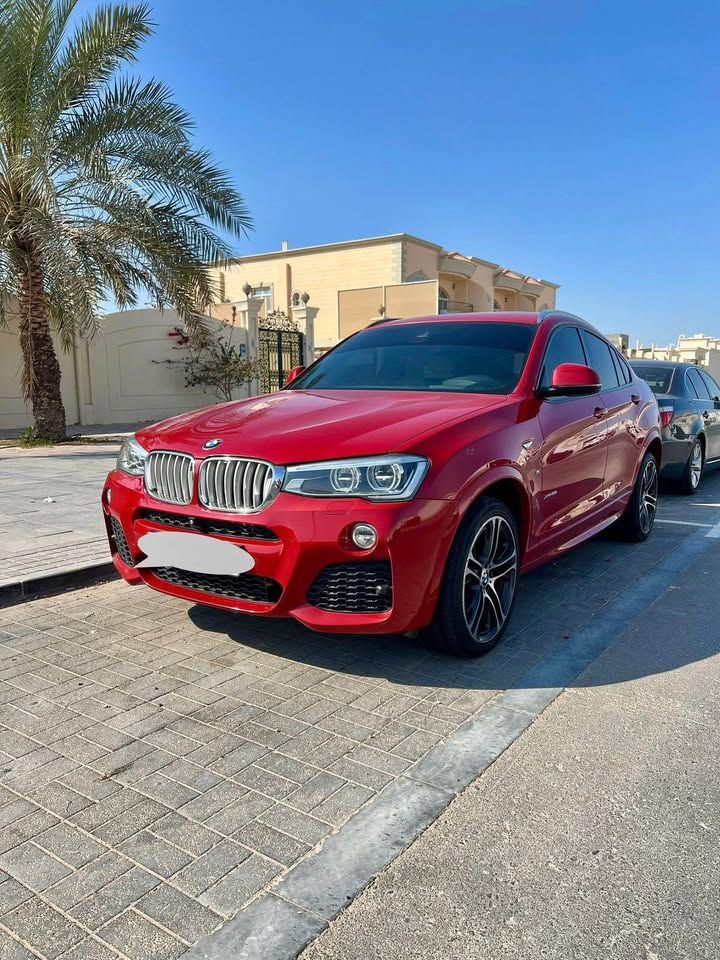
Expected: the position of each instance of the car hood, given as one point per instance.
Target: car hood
(297, 426)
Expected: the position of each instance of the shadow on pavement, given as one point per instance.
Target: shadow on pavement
(566, 614)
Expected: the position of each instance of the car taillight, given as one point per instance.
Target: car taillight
(666, 415)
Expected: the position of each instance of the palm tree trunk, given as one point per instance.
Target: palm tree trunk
(41, 370)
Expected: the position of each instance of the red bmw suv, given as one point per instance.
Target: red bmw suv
(399, 483)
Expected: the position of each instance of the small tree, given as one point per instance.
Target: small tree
(216, 365)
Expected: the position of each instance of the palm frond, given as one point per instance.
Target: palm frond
(102, 191)
(102, 42)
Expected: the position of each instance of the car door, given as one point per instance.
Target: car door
(622, 404)
(705, 409)
(573, 450)
(712, 428)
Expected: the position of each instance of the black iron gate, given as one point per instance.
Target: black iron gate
(279, 351)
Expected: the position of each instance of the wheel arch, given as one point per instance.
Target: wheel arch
(510, 490)
(655, 448)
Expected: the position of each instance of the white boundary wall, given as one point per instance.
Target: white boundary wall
(120, 376)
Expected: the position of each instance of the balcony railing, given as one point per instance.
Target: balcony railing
(454, 306)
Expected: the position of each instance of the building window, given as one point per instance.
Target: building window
(262, 293)
(443, 299)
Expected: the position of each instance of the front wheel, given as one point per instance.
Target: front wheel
(637, 521)
(478, 590)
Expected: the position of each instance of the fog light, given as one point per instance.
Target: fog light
(364, 536)
(108, 496)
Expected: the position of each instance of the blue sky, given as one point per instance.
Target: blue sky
(572, 140)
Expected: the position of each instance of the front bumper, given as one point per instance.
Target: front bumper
(312, 535)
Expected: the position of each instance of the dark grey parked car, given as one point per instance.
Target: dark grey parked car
(689, 401)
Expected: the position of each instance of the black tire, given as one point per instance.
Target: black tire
(637, 522)
(490, 521)
(692, 474)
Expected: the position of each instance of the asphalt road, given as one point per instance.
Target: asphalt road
(595, 835)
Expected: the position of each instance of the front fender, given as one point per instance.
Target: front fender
(476, 486)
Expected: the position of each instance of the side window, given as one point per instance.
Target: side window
(711, 385)
(564, 347)
(601, 360)
(622, 368)
(698, 384)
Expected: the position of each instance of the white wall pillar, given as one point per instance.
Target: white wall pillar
(86, 386)
(304, 317)
(247, 315)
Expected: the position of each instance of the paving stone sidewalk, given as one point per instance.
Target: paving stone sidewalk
(162, 764)
(37, 537)
(595, 835)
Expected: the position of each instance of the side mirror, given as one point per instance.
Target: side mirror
(572, 380)
(294, 374)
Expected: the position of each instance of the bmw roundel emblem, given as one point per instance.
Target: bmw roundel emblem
(211, 444)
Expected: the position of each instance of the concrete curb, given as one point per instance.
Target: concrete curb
(280, 923)
(55, 581)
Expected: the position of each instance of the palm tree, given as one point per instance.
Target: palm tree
(102, 193)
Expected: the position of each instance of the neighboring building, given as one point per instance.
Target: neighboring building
(699, 348)
(620, 340)
(349, 284)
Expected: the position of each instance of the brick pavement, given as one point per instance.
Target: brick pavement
(162, 763)
(38, 537)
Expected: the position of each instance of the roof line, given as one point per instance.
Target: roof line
(544, 314)
(384, 238)
(293, 251)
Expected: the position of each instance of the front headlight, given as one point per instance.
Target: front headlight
(374, 478)
(131, 458)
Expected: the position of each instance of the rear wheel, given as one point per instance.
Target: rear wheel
(692, 475)
(637, 522)
(480, 581)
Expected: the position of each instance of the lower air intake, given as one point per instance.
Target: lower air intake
(353, 588)
(120, 542)
(247, 586)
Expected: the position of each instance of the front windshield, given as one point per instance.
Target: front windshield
(447, 357)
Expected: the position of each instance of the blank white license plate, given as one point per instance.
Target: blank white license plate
(195, 552)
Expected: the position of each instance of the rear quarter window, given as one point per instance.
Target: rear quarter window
(600, 358)
(622, 368)
(697, 384)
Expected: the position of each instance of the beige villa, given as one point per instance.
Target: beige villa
(352, 283)
(698, 348)
(328, 291)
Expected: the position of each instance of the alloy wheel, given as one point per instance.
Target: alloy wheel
(696, 465)
(648, 495)
(489, 579)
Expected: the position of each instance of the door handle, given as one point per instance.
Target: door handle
(635, 398)
(599, 413)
